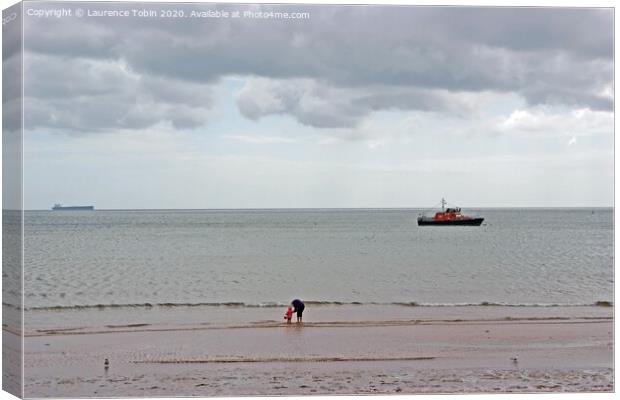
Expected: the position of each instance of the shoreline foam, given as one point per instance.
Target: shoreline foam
(269, 304)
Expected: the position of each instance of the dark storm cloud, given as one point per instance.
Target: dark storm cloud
(374, 58)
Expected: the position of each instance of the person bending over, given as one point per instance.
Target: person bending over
(298, 306)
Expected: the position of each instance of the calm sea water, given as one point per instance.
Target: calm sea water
(262, 257)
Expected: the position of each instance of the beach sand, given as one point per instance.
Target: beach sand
(337, 350)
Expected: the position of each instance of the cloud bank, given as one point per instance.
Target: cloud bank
(332, 71)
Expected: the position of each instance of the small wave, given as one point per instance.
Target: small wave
(502, 304)
(127, 326)
(280, 360)
(233, 304)
(152, 305)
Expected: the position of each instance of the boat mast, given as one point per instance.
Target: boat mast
(443, 203)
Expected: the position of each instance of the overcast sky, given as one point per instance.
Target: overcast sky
(354, 107)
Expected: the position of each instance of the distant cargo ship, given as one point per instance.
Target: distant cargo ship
(60, 207)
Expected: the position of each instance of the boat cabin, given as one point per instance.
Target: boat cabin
(448, 214)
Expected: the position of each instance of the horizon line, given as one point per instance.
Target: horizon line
(315, 208)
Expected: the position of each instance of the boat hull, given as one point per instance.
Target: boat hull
(454, 222)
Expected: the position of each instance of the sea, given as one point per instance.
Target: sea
(266, 258)
(165, 294)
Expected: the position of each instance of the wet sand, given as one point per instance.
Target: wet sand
(338, 350)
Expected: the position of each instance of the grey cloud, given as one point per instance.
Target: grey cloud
(310, 103)
(580, 31)
(12, 70)
(11, 31)
(582, 86)
(414, 46)
(396, 55)
(568, 96)
(320, 105)
(11, 92)
(99, 95)
(77, 38)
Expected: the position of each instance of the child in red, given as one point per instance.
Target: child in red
(289, 315)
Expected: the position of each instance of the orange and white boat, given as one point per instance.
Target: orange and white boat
(449, 217)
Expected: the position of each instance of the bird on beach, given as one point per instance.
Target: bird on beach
(514, 359)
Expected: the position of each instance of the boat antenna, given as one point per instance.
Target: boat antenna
(443, 203)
